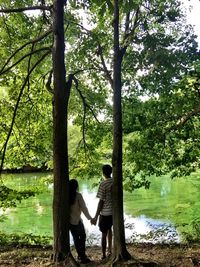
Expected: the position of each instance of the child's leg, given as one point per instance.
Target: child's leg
(75, 235)
(82, 238)
(79, 236)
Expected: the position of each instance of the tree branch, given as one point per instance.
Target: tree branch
(7, 30)
(107, 72)
(99, 52)
(189, 115)
(21, 9)
(84, 99)
(22, 58)
(18, 144)
(48, 83)
(72, 77)
(85, 106)
(127, 34)
(127, 28)
(181, 122)
(29, 64)
(28, 43)
(16, 107)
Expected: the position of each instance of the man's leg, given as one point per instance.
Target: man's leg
(109, 241)
(104, 230)
(103, 244)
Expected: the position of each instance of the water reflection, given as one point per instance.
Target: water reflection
(39, 208)
(139, 229)
(165, 190)
(144, 229)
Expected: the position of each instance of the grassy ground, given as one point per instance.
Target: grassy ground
(142, 255)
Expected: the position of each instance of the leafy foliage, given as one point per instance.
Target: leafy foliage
(24, 240)
(160, 88)
(163, 131)
(10, 197)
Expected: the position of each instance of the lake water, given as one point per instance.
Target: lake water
(160, 214)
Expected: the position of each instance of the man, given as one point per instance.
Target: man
(104, 210)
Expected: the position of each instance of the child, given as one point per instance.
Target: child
(104, 209)
(77, 205)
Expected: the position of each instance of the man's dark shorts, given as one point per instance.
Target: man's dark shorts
(105, 223)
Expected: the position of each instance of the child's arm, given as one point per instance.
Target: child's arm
(84, 208)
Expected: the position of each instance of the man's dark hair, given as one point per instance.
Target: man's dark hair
(107, 170)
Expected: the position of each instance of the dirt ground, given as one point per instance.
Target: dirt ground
(142, 255)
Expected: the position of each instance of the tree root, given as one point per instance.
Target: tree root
(125, 259)
(65, 260)
(120, 257)
(70, 261)
(135, 263)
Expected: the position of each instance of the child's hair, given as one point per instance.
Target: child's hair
(73, 186)
(107, 170)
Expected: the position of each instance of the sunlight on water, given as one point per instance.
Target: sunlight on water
(136, 229)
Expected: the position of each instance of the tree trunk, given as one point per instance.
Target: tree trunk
(120, 251)
(60, 149)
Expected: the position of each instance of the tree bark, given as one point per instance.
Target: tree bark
(60, 150)
(120, 251)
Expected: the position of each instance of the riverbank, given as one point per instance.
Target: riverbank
(143, 255)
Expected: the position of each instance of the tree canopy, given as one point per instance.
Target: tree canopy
(160, 76)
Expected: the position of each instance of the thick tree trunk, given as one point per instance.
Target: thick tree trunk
(120, 251)
(60, 149)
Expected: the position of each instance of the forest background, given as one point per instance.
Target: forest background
(160, 97)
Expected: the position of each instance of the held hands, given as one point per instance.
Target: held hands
(94, 221)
